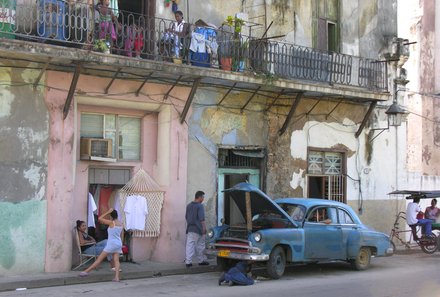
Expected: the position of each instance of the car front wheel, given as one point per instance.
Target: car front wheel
(276, 263)
(362, 260)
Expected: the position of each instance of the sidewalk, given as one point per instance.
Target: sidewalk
(130, 270)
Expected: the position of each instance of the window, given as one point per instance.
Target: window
(326, 25)
(344, 217)
(325, 175)
(124, 131)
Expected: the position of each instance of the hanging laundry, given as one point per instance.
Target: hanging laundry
(91, 209)
(136, 211)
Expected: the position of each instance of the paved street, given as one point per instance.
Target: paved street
(415, 275)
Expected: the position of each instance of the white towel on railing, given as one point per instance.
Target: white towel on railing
(198, 44)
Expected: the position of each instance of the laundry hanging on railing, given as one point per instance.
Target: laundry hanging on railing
(142, 186)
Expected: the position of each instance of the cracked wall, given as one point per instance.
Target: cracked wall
(23, 171)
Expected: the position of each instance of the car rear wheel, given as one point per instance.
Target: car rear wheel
(276, 263)
(362, 260)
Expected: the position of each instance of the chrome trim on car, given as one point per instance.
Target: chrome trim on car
(389, 252)
(240, 256)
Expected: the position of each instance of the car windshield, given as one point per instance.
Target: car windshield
(295, 211)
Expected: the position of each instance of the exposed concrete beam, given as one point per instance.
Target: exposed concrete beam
(113, 79)
(334, 108)
(367, 116)
(313, 107)
(190, 99)
(143, 83)
(250, 98)
(291, 113)
(41, 73)
(71, 90)
(227, 93)
(275, 99)
(165, 97)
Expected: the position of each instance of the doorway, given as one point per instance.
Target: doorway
(236, 166)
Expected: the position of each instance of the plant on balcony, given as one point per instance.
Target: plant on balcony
(101, 45)
(232, 49)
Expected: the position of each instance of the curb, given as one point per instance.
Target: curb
(73, 278)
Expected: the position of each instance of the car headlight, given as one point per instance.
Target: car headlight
(210, 233)
(257, 237)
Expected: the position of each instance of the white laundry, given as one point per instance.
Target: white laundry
(91, 209)
(136, 211)
(198, 43)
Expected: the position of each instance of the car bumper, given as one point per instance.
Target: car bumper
(239, 256)
(389, 252)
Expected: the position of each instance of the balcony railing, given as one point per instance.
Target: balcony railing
(139, 36)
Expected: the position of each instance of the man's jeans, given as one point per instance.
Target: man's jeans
(426, 226)
(195, 244)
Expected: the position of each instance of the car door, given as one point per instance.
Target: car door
(323, 234)
(350, 231)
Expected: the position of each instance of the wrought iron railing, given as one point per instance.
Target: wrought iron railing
(129, 34)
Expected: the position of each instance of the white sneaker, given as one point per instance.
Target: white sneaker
(114, 269)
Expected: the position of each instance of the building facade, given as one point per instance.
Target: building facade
(304, 116)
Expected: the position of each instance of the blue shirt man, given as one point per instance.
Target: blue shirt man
(195, 230)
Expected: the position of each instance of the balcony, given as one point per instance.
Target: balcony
(60, 35)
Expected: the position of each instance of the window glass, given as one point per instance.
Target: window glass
(92, 125)
(344, 217)
(315, 162)
(296, 212)
(319, 215)
(110, 130)
(125, 133)
(129, 138)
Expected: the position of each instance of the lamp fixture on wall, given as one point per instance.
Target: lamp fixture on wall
(395, 115)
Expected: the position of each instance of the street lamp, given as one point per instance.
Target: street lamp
(395, 114)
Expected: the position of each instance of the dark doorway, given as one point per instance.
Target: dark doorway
(316, 185)
(144, 7)
(231, 211)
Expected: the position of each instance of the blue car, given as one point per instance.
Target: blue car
(292, 230)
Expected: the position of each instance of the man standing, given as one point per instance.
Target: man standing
(195, 230)
(412, 211)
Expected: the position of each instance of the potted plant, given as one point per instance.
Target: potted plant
(101, 45)
(231, 47)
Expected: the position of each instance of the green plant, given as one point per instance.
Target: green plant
(235, 22)
(235, 47)
(101, 45)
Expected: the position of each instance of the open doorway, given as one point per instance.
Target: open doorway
(236, 166)
(143, 7)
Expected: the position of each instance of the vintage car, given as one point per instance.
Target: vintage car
(292, 230)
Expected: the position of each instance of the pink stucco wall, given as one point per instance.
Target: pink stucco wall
(68, 175)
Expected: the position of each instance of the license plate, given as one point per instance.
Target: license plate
(224, 253)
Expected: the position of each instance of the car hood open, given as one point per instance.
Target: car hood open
(260, 202)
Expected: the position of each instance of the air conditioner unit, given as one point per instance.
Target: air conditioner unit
(95, 148)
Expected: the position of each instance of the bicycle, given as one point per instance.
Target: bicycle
(428, 244)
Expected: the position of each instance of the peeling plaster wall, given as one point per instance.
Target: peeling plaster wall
(210, 127)
(23, 171)
(418, 24)
(377, 20)
(366, 181)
